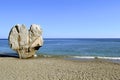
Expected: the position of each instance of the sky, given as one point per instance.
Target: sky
(63, 18)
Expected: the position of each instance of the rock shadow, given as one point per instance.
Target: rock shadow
(14, 55)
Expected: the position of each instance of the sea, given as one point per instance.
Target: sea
(107, 48)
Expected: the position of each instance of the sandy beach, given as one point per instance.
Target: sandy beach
(57, 69)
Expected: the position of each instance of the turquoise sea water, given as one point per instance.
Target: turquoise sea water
(73, 47)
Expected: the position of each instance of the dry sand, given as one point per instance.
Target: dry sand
(57, 69)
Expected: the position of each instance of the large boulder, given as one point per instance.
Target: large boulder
(25, 42)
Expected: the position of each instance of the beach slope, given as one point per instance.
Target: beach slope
(57, 69)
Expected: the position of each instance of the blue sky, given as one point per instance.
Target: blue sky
(63, 18)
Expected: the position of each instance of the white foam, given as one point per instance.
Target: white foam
(84, 57)
(93, 57)
(35, 55)
(113, 58)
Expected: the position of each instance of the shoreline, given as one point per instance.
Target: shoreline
(66, 57)
(79, 58)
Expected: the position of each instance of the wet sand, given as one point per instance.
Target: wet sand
(57, 69)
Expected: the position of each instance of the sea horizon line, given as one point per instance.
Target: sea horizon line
(67, 38)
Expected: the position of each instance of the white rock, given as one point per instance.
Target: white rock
(25, 42)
